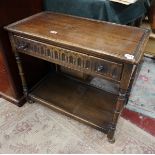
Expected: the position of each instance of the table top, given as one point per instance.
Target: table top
(125, 43)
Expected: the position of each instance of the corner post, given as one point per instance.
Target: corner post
(19, 64)
(122, 97)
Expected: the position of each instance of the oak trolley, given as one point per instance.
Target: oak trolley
(93, 65)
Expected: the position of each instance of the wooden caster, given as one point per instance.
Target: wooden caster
(30, 101)
(111, 140)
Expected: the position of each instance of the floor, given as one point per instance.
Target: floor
(140, 109)
(142, 98)
(34, 128)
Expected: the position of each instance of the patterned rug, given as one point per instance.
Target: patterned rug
(142, 99)
(34, 128)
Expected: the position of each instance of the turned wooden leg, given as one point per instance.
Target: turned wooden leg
(133, 78)
(20, 68)
(30, 101)
(21, 73)
(130, 86)
(119, 106)
(125, 85)
(111, 132)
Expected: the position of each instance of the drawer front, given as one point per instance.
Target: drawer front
(106, 68)
(68, 58)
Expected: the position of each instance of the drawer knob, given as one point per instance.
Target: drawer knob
(100, 68)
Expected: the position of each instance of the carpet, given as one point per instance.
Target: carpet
(142, 98)
(34, 128)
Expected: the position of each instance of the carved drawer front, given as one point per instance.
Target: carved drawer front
(68, 58)
(106, 68)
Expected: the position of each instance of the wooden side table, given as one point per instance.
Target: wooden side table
(97, 49)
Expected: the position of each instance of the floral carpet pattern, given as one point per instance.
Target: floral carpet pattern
(142, 99)
(34, 128)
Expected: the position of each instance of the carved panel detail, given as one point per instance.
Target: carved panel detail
(68, 58)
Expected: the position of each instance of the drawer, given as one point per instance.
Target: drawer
(68, 58)
(106, 68)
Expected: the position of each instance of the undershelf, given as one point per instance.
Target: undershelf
(85, 103)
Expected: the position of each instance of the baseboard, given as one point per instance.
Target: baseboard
(19, 102)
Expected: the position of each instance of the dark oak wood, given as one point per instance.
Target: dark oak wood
(70, 59)
(85, 36)
(75, 98)
(10, 83)
(91, 48)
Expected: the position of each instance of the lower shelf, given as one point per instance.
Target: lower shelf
(83, 102)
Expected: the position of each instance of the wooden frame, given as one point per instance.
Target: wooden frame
(69, 95)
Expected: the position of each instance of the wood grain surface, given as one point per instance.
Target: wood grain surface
(85, 35)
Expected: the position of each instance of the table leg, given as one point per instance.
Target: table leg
(119, 106)
(133, 78)
(20, 68)
(122, 97)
